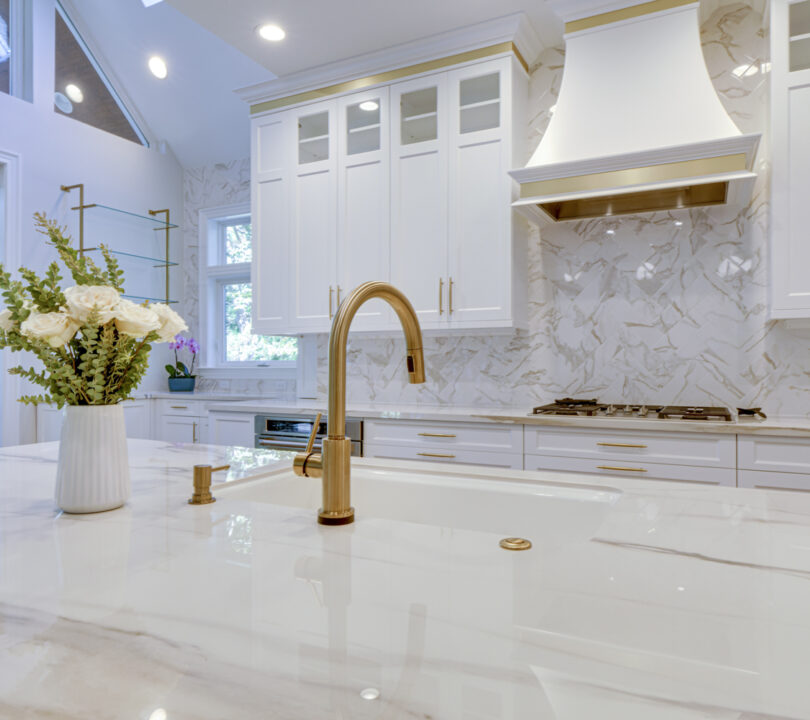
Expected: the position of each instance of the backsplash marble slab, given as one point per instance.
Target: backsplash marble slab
(666, 307)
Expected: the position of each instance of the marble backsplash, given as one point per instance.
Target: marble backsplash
(666, 307)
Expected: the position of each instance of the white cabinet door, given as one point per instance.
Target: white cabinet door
(419, 195)
(231, 429)
(363, 231)
(272, 139)
(453, 456)
(137, 417)
(181, 429)
(790, 120)
(480, 238)
(313, 298)
(773, 480)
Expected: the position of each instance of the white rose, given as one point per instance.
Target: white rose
(56, 328)
(5, 320)
(81, 299)
(171, 323)
(135, 320)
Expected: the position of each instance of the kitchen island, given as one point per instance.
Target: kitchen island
(659, 601)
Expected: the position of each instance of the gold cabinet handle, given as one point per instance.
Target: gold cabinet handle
(623, 445)
(441, 292)
(193, 432)
(330, 301)
(439, 435)
(450, 297)
(619, 469)
(435, 455)
(338, 295)
(179, 407)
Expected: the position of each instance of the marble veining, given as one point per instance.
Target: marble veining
(639, 600)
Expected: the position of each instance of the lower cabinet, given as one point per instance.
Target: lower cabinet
(487, 444)
(182, 429)
(226, 428)
(704, 458)
(776, 462)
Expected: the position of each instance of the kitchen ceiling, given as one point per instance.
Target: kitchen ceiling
(324, 31)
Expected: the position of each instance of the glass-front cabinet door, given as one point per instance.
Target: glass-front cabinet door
(479, 257)
(799, 28)
(313, 218)
(419, 195)
(363, 218)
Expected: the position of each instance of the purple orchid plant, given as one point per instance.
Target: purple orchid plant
(180, 369)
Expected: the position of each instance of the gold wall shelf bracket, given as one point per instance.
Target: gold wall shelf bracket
(166, 230)
(81, 208)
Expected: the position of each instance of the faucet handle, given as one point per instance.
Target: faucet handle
(315, 426)
(308, 463)
(202, 484)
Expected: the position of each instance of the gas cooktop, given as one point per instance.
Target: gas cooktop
(592, 407)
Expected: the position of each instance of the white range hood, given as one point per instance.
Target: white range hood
(638, 126)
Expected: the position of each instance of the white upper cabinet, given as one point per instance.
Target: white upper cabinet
(270, 179)
(404, 182)
(790, 120)
(419, 194)
(363, 199)
(313, 218)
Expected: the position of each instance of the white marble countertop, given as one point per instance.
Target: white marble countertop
(785, 426)
(682, 603)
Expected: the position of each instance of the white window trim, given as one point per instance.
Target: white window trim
(210, 281)
(11, 257)
(21, 77)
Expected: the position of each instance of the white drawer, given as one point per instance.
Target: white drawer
(773, 480)
(699, 449)
(446, 455)
(778, 454)
(170, 406)
(478, 437)
(634, 469)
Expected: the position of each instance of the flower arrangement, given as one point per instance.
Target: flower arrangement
(180, 369)
(93, 343)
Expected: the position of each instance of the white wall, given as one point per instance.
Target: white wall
(53, 150)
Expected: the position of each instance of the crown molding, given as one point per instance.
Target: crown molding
(514, 28)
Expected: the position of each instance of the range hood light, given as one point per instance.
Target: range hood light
(635, 84)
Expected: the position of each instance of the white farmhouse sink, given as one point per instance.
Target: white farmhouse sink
(540, 511)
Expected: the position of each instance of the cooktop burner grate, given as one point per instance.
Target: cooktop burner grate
(685, 412)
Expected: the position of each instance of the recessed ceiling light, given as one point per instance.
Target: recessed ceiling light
(157, 66)
(159, 714)
(370, 694)
(61, 101)
(271, 32)
(74, 92)
(369, 105)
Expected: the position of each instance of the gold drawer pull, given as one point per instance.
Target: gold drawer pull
(444, 435)
(441, 289)
(625, 445)
(179, 407)
(435, 455)
(619, 469)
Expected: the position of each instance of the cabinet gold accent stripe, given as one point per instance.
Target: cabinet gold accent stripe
(438, 435)
(389, 76)
(635, 176)
(627, 13)
(435, 455)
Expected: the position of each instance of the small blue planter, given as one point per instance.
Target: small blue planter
(181, 384)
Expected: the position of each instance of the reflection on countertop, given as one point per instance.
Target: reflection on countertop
(680, 602)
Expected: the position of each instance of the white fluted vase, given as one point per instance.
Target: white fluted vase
(93, 472)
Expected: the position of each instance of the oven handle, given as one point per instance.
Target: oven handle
(282, 445)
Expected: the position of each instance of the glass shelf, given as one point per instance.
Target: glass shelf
(161, 261)
(150, 299)
(154, 222)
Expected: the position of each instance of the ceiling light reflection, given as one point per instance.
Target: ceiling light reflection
(369, 105)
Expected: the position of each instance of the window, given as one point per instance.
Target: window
(227, 289)
(15, 48)
(82, 90)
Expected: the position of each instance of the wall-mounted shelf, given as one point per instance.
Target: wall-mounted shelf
(154, 220)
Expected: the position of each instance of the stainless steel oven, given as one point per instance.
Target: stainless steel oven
(291, 432)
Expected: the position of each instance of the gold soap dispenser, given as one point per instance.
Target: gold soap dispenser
(202, 484)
